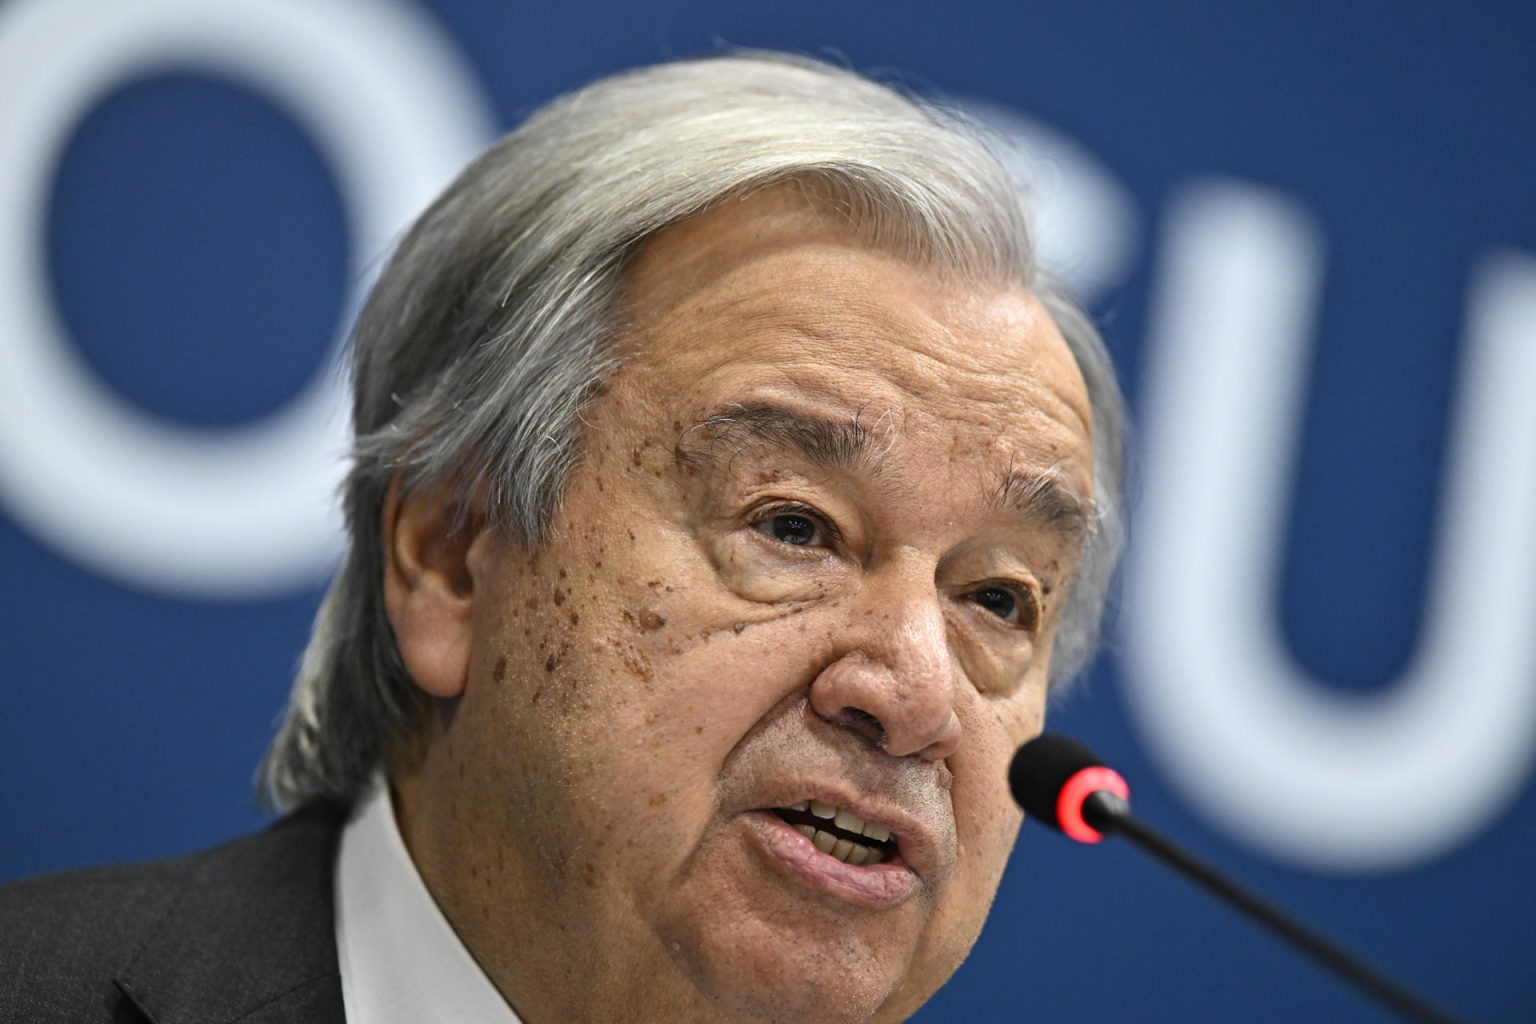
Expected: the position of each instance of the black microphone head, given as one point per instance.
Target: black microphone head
(1041, 767)
(1052, 776)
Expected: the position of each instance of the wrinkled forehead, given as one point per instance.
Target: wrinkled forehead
(772, 299)
(683, 260)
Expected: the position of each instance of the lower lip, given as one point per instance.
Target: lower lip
(874, 885)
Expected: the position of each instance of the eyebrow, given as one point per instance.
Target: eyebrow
(835, 443)
(1042, 497)
(845, 443)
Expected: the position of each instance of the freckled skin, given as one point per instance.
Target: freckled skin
(593, 856)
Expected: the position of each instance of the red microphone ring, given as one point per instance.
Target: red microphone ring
(1083, 784)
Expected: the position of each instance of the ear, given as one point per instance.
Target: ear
(429, 588)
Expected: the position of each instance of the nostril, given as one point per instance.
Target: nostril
(865, 724)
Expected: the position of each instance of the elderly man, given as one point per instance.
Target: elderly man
(729, 489)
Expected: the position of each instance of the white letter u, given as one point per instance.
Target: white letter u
(1314, 777)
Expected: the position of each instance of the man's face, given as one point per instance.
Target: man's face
(816, 550)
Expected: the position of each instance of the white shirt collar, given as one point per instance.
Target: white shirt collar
(401, 961)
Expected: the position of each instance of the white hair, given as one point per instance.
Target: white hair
(492, 327)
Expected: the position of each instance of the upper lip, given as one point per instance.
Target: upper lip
(918, 841)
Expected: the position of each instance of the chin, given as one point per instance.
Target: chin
(764, 971)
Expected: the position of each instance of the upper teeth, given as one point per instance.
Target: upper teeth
(843, 849)
(845, 820)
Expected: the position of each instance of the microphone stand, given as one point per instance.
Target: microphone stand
(1111, 815)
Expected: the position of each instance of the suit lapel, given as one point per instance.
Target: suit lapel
(251, 937)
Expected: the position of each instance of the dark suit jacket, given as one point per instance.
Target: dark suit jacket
(242, 933)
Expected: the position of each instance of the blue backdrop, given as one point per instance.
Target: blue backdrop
(1308, 230)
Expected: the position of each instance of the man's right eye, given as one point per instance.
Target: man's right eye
(794, 527)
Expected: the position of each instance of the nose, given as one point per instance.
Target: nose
(893, 679)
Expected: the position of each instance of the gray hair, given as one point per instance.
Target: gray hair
(491, 329)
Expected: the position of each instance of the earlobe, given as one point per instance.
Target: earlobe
(429, 588)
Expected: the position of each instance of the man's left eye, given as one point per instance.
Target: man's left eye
(1006, 604)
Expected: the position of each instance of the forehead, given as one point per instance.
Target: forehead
(769, 299)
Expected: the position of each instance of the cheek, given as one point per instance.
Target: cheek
(705, 682)
(987, 817)
(987, 822)
(1001, 665)
(744, 564)
(988, 826)
(637, 701)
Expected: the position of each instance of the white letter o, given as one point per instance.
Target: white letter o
(229, 512)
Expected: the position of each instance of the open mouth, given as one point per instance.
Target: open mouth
(839, 833)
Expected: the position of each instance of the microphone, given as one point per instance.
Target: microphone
(1060, 783)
